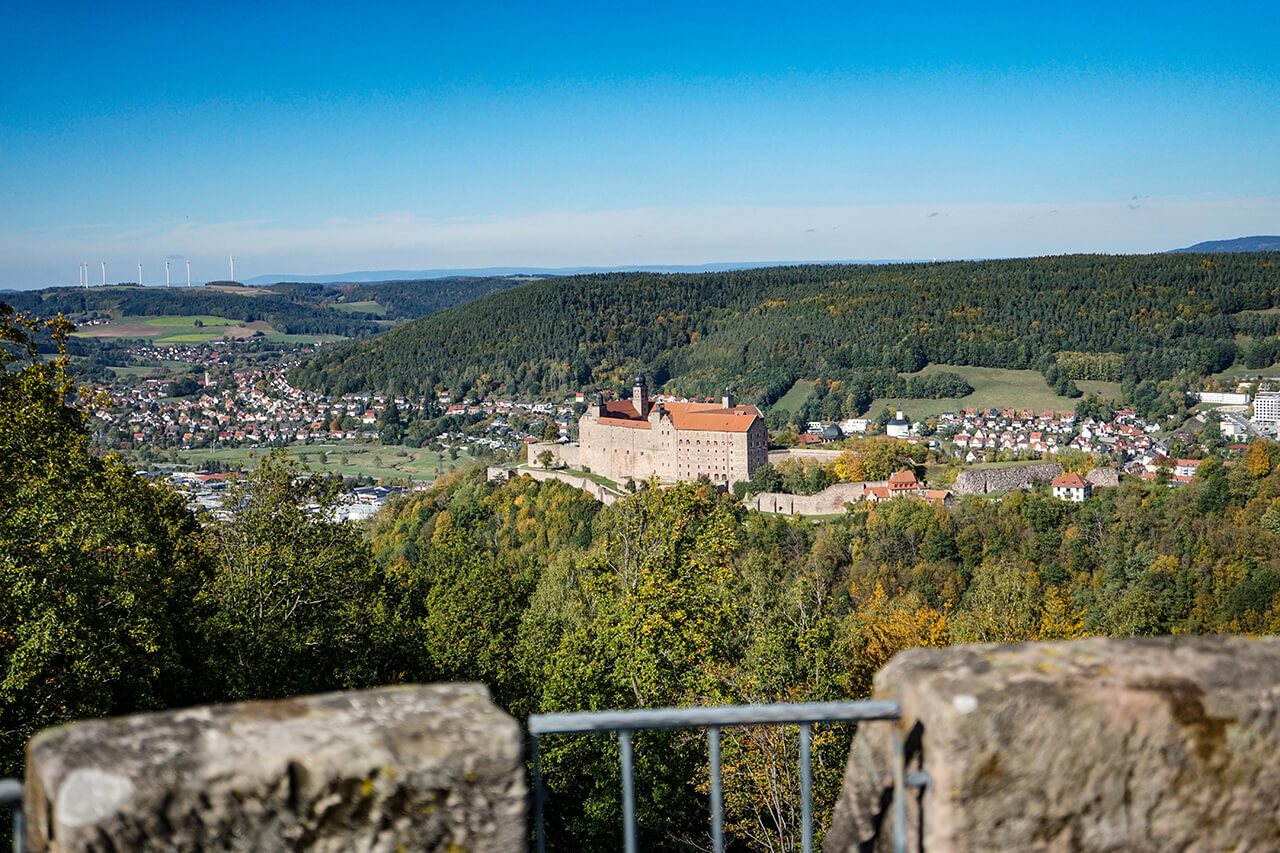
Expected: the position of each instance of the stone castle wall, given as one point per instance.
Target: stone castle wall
(1091, 745)
(1102, 478)
(827, 502)
(591, 487)
(983, 481)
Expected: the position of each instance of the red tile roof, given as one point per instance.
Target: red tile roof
(706, 417)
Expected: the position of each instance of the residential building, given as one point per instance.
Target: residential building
(1071, 487)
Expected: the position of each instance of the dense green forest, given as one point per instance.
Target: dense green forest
(115, 598)
(1141, 317)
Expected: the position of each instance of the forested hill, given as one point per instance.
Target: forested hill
(759, 330)
(1239, 244)
(352, 310)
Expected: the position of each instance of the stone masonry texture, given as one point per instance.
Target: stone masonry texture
(410, 768)
(1089, 745)
(982, 481)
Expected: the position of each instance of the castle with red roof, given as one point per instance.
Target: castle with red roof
(639, 438)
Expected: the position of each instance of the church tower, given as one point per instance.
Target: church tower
(640, 397)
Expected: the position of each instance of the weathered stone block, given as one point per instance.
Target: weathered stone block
(400, 768)
(1091, 745)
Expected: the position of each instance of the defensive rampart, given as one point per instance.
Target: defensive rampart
(1090, 745)
(983, 481)
(827, 502)
(601, 493)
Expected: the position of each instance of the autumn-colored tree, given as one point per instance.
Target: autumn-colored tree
(849, 467)
(1258, 458)
(884, 626)
(1059, 618)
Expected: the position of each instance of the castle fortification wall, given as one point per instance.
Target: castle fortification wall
(827, 502)
(983, 481)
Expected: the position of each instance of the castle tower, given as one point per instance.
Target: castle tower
(640, 397)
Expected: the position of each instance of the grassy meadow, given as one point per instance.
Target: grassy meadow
(370, 460)
(993, 388)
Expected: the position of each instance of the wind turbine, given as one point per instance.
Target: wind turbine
(188, 272)
(233, 269)
(166, 275)
(104, 273)
(139, 274)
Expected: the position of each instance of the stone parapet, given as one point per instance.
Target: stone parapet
(400, 768)
(1090, 745)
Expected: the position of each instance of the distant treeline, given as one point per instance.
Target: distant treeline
(293, 308)
(1150, 317)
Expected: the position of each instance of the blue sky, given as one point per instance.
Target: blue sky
(320, 138)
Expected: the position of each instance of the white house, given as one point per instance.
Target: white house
(1071, 487)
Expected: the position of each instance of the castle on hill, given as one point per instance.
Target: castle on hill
(639, 438)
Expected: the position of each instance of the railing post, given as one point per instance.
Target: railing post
(717, 804)
(11, 796)
(806, 788)
(539, 831)
(899, 791)
(628, 793)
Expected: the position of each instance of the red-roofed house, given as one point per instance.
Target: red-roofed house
(1186, 468)
(902, 482)
(1071, 487)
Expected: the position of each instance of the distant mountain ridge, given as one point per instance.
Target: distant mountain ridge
(371, 276)
(1238, 244)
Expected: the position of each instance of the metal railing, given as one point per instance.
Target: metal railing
(11, 796)
(713, 719)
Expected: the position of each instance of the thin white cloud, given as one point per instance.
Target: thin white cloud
(656, 235)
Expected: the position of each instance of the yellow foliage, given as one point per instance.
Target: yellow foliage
(1058, 619)
(884, 626)
(1257, 459)
(849, 467)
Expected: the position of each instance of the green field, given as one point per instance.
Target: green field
(137, 371)
(281, 337)
(994, 388)
(1239, 372)
(377, 461)
(794, 398)
(187, 321)
(366, 307)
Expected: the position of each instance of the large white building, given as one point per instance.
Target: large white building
(638, 438)
(1266, 407)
